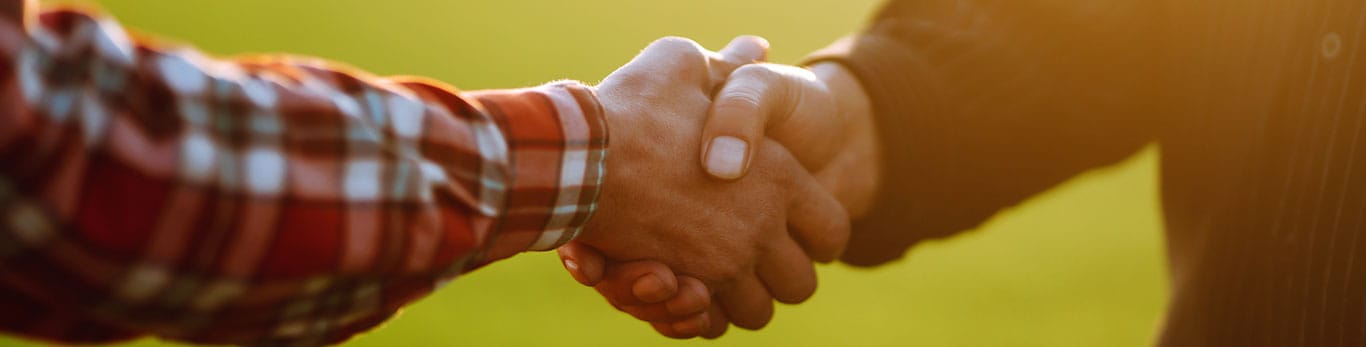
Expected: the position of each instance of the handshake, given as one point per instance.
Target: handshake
(313, 201)
(727, 178)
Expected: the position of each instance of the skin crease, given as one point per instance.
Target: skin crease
(852, 175)
(740, 238)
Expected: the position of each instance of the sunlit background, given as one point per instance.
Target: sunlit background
(1079, 266)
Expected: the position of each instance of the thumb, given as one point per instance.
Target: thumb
(787, 103)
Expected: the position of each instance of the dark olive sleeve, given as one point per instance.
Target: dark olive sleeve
(980, 105)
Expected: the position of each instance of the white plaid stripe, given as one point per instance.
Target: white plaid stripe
(375, 108)
(261, 93)
(549, 238)
(197, 157)
(493, 148)
(265, 170)
(407, 116)
(94, 118)
(31, 82)
(361, 182)
(182, 76)
(113, 44)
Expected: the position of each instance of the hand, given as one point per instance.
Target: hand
(733, 237)
(757, 97)
(676, 306)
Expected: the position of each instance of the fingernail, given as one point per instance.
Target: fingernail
(726, 157)
(648, 288)
(573, 268)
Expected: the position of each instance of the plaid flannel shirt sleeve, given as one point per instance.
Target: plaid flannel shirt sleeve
(270, 200)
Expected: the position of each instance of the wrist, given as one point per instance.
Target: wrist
(548, 191)
(623, 149)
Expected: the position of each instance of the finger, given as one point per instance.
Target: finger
(748, 304)
(786, 103)
(737, 119)
(683, 329)
(637, 283)
(691, 327)
(787, 273)
(746, 49)
(743, 50)
(693, 298)
(584, 263)
(717, 321)
(817, 221)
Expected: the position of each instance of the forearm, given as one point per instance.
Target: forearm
(983, 104)
(267, 199)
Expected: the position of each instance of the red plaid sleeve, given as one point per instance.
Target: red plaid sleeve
(269, 200)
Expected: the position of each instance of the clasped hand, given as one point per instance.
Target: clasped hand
(726, 179)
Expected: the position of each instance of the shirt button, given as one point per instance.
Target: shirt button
(1330, 46)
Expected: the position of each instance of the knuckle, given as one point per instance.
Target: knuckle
(677, 46)
(673, 58)
(740, 98)
(727, 274)
(761, 72)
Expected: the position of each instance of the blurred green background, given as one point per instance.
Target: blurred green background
(1079, 266)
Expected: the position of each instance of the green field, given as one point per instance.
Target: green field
(1079, 266)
